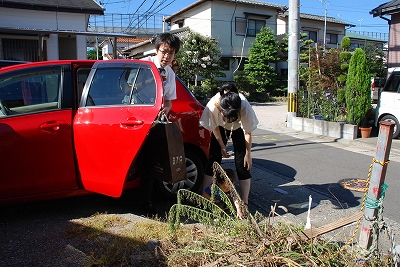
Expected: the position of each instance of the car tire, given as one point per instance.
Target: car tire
(396, 130)
(195, 175)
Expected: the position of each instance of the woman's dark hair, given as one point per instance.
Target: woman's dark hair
(230, 104)
(168, 38)
(229, 87)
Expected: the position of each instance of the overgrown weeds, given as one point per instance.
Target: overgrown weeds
(220, 239)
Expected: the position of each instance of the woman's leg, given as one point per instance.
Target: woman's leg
(244, 175)
(215, 156)
(245, 189)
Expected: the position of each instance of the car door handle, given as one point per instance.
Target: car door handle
(52, 126)
(130, 123)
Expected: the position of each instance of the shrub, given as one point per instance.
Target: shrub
(358, 92)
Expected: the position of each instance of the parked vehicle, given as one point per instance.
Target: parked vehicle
(388, 107)
(65, 131)
(376, 86)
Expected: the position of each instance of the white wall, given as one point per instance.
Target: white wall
(47, 20)
(81, 47)
(223, 26)
(52, 47)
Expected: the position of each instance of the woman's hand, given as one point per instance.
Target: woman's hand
(248, 162)
(224, 153)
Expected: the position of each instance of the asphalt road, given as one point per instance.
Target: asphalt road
(322, 167)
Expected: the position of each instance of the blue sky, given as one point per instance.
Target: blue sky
(352, 11)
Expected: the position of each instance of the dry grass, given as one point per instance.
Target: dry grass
(219, 240)
(112, 240)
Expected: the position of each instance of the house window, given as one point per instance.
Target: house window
(253, 26)
(312, 35)
(225, 63)
(353, 46)
(22, 49)
(180, 23)
(331, 38)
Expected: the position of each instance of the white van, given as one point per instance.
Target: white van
(376, 86)
(388, 107)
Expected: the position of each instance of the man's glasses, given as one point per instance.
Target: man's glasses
(165, 52)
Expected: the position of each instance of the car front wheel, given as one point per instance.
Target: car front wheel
(396, 129)
(195, 174)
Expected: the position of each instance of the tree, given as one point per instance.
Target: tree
(358, 91)
(263, 52)
(91, 54)
(345, 56)
(375, 60)
(199, 56)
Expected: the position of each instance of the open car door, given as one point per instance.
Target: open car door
(120, 101)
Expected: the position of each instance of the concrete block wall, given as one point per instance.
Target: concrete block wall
(326, 128)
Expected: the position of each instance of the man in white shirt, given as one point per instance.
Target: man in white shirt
(167, 45)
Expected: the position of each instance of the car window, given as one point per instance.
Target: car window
(122, 86)
(31, 92)
(82, 74)
(380, 82)
(393, 83)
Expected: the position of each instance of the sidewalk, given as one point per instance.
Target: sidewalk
(272, 117)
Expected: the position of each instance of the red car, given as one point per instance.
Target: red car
(71, 127)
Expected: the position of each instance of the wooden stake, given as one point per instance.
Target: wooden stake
(377, 178)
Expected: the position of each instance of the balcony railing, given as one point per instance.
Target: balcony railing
(378, 35)
(135, 24)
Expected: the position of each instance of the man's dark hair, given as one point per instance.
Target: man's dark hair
(229, 87)
(168, 38)
(230, 104)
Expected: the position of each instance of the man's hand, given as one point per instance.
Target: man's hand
(166, 108)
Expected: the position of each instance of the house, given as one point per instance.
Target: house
(391, 9)
(324, 31)
(123, 44)
(225, 21)
(359, 40)
(234, 24)
(146, 47)
(37, 30)
(315, 27)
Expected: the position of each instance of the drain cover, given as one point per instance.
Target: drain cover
(355, 184)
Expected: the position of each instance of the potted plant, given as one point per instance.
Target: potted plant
(358, 94)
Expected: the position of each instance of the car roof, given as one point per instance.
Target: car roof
(24, 64)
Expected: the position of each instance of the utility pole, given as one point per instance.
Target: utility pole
(360, 20)
(326, 13)
(293, 59)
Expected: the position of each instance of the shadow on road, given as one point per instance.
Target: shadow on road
(270, 188)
